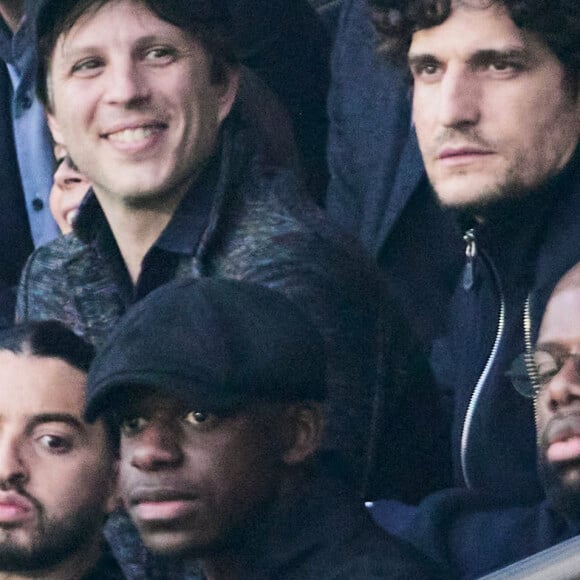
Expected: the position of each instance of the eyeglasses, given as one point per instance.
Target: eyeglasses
(529, 374)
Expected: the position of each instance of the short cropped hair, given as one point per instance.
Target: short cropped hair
(51, 339)
(557, 22)
(205, 20)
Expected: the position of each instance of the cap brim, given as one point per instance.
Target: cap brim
(121, 388)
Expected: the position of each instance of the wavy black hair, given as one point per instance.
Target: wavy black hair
(557, 22)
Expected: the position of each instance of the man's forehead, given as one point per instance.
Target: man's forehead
(36, 384)
(469, 29)
(136, 398)
(135, 22)
(561, 321)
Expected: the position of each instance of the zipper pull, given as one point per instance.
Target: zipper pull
(470, 254)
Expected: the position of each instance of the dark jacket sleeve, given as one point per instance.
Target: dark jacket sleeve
(30, 303)
(473, 533)
(285, 243)
(369, 112)
(43, 292)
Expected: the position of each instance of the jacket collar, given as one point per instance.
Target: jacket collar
(203, 203)
(560, 248)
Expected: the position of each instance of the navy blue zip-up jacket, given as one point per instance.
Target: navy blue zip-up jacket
(378, 191)
(470, 316)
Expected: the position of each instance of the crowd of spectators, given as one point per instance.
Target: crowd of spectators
(326, 254)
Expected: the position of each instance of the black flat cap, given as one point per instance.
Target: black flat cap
(217, 344)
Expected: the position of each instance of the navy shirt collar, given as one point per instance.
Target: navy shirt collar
(184, 231)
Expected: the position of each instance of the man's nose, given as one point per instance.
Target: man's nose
(65, 176)
(13, 469)
(459, 97)
(564, 388)
(155, 448)
(127, 83)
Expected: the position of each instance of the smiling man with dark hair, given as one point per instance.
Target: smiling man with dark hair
(144, 95)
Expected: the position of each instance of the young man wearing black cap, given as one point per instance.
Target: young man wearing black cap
(217, 387)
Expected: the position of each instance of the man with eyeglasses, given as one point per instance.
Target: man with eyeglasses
(473, 533)
(557, 393)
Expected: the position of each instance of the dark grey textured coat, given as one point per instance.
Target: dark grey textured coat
(261, 229)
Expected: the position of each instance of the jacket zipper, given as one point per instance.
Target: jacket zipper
(468, 279)
(470, 254)
(529, 356)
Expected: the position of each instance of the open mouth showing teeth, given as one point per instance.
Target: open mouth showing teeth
(131, 135)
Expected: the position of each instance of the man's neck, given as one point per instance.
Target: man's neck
(136, 227)
(135, 232)
(12, 12)
(245, 545)
(223, 568)
(75, 567)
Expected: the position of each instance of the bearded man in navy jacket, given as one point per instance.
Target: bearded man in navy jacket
(474, 217)
(472, 532)
(480, 212)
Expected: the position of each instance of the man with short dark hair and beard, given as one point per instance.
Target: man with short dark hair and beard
(57, 472)
(487, 216)
(557, 376)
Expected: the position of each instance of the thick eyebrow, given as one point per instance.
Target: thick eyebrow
(478, 58)
(420, 60)
(551, 347)
(485, 57)
(56, 418)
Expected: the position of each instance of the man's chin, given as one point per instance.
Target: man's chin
(177, 544)
(562, 485)
(467, 195)
(477, 193)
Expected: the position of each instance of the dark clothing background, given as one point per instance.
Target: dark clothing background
(321, 531)
(15, 238)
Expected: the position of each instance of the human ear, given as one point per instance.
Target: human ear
(306, 423)
(113, 500)
(228, 91)
(54, 128)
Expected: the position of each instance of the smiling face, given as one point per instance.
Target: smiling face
(132, 99)
(558, 404)
(493, 114)
(56, 471)
(191, 479)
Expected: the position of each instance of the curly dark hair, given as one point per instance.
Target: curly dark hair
(557, 22)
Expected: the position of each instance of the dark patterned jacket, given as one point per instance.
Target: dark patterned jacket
(261, 229)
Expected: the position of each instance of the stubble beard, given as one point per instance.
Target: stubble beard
(53, 541)
(504, 192)
(564, 496)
